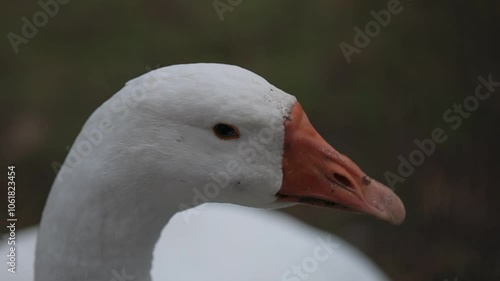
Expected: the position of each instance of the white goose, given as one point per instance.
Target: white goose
(175, 138)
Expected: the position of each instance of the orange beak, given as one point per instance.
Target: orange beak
(315, 173)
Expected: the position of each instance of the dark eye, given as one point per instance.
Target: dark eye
(225, 131)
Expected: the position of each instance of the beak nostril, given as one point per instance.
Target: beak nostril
(342, 180)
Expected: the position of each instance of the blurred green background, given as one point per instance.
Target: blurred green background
(394, 91)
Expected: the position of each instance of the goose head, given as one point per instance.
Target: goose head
(220, 133)
(178, 137)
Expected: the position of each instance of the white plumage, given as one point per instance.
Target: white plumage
(147, 153)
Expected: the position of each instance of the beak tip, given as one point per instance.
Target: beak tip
(387, 204)
(397, 212)
(397, 219)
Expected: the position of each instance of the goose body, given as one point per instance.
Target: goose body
(228, 242)
(176, 138)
